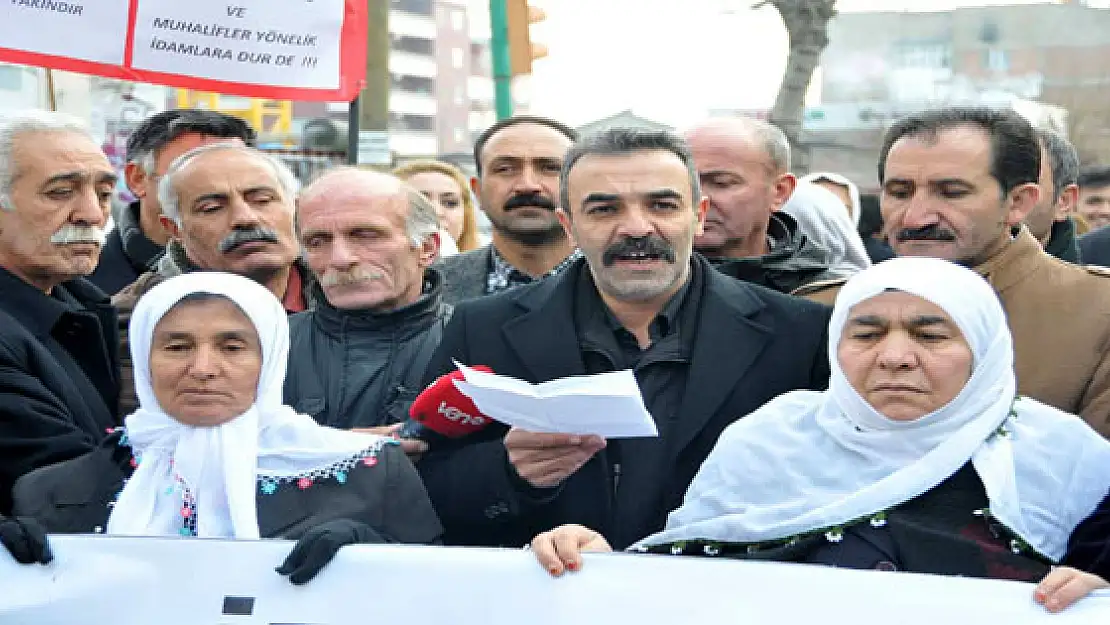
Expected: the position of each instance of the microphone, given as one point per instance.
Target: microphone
(442, 411)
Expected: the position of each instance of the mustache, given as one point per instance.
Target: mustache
(650, 245)
(243, 236)
(926, 233)
(355, 275)
(529, 199)
(71, 233)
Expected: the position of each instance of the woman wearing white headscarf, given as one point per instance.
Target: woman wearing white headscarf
(822, 219)
(918, 457)
(213, 452)
(845, 190)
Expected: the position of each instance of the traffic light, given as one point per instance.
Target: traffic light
(522, 50)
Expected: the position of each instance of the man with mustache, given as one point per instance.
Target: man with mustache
(357, 360)
(59, 370)
(518, 162)
(958, 183)
(229, 208)
(136, 243)
(744, 167)
(705, 349)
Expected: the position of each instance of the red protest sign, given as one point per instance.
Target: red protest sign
(277, 49)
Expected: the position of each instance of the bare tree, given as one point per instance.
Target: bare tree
(806, 24)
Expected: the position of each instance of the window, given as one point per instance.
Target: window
(11, 78)
(460, 135)
(924, 56)
(458, 57)
(996, 60)
(460, 95)
(458, 19)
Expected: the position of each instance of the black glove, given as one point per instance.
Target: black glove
(25, 539)
(319, 545)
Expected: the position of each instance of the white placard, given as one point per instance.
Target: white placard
(174, 581)
(373, 147)
(87, 30)
(281, 43)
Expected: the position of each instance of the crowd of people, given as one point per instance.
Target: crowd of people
(914, 380)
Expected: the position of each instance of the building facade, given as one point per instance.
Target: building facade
(1049, 61)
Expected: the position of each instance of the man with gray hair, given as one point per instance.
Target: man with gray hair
(59, 367)
(1050, 220)
(357, 360)
(744, 168)
(228, 208)
(705, 349)
(138, 240)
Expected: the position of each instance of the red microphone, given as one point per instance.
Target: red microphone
(443, 410)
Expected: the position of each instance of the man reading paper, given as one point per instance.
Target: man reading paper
(705, 350)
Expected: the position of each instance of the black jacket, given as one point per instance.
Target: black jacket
(76, 497)
(751, 344)
(1062, 242)
(361, 369)
(127, 254)
(793, 261)
(59, 375)
(1094, 247)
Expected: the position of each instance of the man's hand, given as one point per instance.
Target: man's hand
(1064, 586)
(561, 549)
(412, 447)
(545, 460)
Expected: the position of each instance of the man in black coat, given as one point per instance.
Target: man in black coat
(137, 242)
(706, 350)
(357, 359)
(59, 365)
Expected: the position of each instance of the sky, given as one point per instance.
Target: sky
(669, 60)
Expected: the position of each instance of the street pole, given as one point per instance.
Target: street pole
(369, 113)
(502, 67)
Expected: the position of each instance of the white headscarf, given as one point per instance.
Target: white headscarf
(823, 220)
(853, 190)
(220, 465)
(809, 461)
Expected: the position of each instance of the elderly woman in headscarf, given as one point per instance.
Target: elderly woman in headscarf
(212, 451)
(920, 457)
(823, 220)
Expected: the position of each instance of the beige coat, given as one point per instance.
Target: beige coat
(1059, 315)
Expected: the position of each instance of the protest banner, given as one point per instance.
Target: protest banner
(278, 49)
(175, 581)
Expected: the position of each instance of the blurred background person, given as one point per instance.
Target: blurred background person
(845, 190)
(1049, 222)
(870, 228)
(448, 190)
(822, 219)
(1094, 196)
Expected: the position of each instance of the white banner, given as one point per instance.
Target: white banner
(142, 581)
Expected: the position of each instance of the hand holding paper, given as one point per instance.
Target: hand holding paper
(606, 404)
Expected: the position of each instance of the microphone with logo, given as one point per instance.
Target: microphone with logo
(442, 411)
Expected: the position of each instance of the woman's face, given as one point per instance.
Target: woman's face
(205, 361)
(447, 197)
(904, 355)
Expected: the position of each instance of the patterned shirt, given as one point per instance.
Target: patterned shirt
(503, 275)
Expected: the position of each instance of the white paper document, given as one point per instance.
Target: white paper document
(605, 404)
